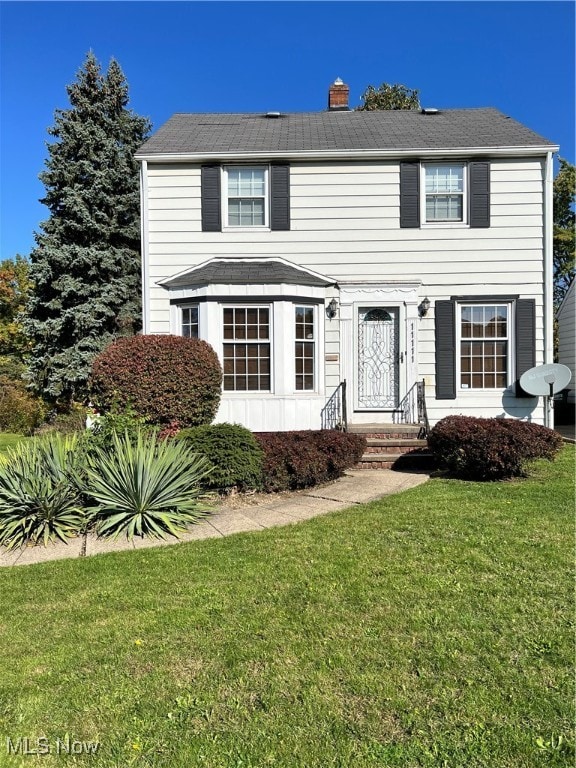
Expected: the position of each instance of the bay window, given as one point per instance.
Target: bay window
(304, 348)
(246, 349)
(190, 322)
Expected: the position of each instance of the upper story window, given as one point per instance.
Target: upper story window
(246, 200)
(445, 193)
(253, 197)
(449, 194)
(190, 322)
(484, 331)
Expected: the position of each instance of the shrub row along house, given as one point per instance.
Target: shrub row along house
(388, 249)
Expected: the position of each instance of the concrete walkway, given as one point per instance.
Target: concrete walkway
(244, 513)
(568, 432)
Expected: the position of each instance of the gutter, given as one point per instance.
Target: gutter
(422, 153)
(548, 277)
(145, 247)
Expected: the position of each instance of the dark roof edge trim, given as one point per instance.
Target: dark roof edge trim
(350, 154)
(265, 298)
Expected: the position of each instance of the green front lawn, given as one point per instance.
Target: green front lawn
(431, 628)
(7, 440)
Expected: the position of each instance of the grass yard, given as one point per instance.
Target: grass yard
(432, 628)
(8, 439)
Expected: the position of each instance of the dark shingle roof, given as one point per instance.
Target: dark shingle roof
(228, 134)
(245, 272)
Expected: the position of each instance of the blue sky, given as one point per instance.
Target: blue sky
(262, 56)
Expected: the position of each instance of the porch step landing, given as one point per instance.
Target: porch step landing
(393, 446)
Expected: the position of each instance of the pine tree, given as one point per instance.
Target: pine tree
(564, 229)
(86, 264)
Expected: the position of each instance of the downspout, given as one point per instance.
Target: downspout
(549, 278)
(144, 246)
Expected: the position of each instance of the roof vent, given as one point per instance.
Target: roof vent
(430, 111)
(273, 114)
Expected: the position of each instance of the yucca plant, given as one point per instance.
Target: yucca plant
(40, 492)
(145, 487)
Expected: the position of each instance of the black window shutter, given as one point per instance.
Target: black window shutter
(211, 208)
(445, 320)
(479, 187)
(409, 195)
(525, 332)
(279, 197)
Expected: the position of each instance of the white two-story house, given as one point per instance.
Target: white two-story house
(385, 249)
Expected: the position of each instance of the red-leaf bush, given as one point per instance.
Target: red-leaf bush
(301, 459)
(163, 378)
(490, 449)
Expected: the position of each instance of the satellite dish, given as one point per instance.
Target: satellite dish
(546, 379)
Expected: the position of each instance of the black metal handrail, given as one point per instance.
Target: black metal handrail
(333, 415)
(412, 408)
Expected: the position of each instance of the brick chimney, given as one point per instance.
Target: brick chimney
(338, 96)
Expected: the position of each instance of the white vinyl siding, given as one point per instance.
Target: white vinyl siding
(345, 224)
(567, 336)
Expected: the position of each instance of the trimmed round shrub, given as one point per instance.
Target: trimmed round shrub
(491, 449)
(163, 378)
(305, 458)
(232, 450)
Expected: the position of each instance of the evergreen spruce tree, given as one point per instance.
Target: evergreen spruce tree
(85, 268)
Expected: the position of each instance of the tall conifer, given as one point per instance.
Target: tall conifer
(86, 263)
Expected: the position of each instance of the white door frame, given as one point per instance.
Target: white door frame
(402, 296)
(389, 351)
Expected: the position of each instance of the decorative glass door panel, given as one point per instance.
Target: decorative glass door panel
(377, 358)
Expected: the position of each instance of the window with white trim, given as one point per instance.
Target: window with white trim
(484, 339)
(246, 197)
(444, 200)
(246, 348)
(304, 348)
(189, 324)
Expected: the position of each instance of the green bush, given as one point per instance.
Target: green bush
(144, 487)
(490, 449)
(163, 378)
(40, 492)
(302, 459)
(232, 450)
(68, 419)
(20, 411)
(116, 421)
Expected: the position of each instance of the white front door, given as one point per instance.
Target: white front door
(377, 363)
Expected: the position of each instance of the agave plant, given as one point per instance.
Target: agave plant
(145, 487)
(40, 492)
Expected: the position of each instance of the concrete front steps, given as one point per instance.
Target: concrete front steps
(393, 446)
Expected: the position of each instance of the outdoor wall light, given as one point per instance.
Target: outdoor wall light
(423, 307)
(331, 309)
